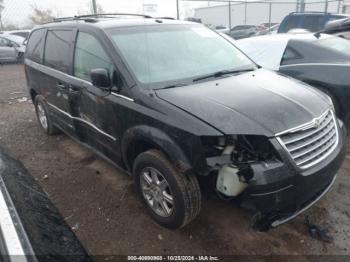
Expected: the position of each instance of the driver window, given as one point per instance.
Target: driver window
(89, 54)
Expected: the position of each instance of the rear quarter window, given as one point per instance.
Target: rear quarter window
(35, 46)
(290, 22)
(58, 49)
(290, 55)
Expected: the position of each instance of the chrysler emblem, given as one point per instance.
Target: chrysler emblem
(316, 123)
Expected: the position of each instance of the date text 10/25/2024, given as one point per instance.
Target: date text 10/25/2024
(173, 258)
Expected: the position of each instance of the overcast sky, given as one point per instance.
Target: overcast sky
(17, 11)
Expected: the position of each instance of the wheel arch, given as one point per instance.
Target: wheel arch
(139, 139)
(333, 94)
(33, 93)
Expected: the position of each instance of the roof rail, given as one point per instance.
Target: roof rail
(92, 16)
(308, 12)
(165, 17)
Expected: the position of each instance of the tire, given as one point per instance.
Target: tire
(20, 58)
(183, 189)
(42, 112)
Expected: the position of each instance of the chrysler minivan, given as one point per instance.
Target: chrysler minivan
(171, 102)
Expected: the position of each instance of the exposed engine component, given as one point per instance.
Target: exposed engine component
(228, 181)
(232, 158)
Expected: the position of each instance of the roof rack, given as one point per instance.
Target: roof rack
(165, 17)
(310, 12)
(93, 16)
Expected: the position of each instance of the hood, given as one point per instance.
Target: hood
(257, 103)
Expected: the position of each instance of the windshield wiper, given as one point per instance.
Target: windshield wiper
(174, 85)
(222, 73)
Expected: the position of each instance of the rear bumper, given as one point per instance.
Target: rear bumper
(279, 191)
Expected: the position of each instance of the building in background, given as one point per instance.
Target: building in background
(252, 12)
(150, 9)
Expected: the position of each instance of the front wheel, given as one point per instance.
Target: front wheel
(172, 198)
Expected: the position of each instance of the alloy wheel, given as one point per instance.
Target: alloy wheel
(156, 191)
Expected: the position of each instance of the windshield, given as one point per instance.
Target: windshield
(169, 53)
(336, 44)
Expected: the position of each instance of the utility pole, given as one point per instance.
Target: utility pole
(1, 8)
(302, 6)
(94, 7)
(229, 15)
(245, 12)
(177, 10)
(338, 9)
(270, 10)
(326, 6)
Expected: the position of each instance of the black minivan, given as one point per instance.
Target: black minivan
(172, 101)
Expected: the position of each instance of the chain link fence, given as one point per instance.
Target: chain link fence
(231, 13)
(20, 14)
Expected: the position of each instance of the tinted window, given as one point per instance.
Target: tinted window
(290, 54)
(57, 49)
(35, 46)
(313, 23)
(290, 23)
(89, 54)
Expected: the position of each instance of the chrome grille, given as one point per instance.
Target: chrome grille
(312, 142)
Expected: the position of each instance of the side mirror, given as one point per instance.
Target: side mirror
(100, 78)
(10, 44)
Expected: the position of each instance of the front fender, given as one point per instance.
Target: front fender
(159, 140)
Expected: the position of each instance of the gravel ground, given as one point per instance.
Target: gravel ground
(99, 203)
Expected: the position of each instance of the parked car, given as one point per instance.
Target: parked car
(21, 33)
(184, 104)
(320, 60)
(312, 21)
(339, 28)
(19, 40)
(243, 31)
(269, 30)
(10, 51)
(221, 29)
(268, 25)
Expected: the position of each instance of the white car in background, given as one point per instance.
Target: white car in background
(12, 48)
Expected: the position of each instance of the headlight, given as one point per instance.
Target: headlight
(242, 149)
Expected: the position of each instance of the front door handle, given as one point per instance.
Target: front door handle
(74, 90)
(61, 86)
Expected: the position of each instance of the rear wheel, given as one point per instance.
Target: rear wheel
(172, 198)
(44, 117)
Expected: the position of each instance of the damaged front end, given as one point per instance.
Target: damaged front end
(258, 171)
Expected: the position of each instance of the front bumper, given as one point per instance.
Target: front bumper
(280, 191)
